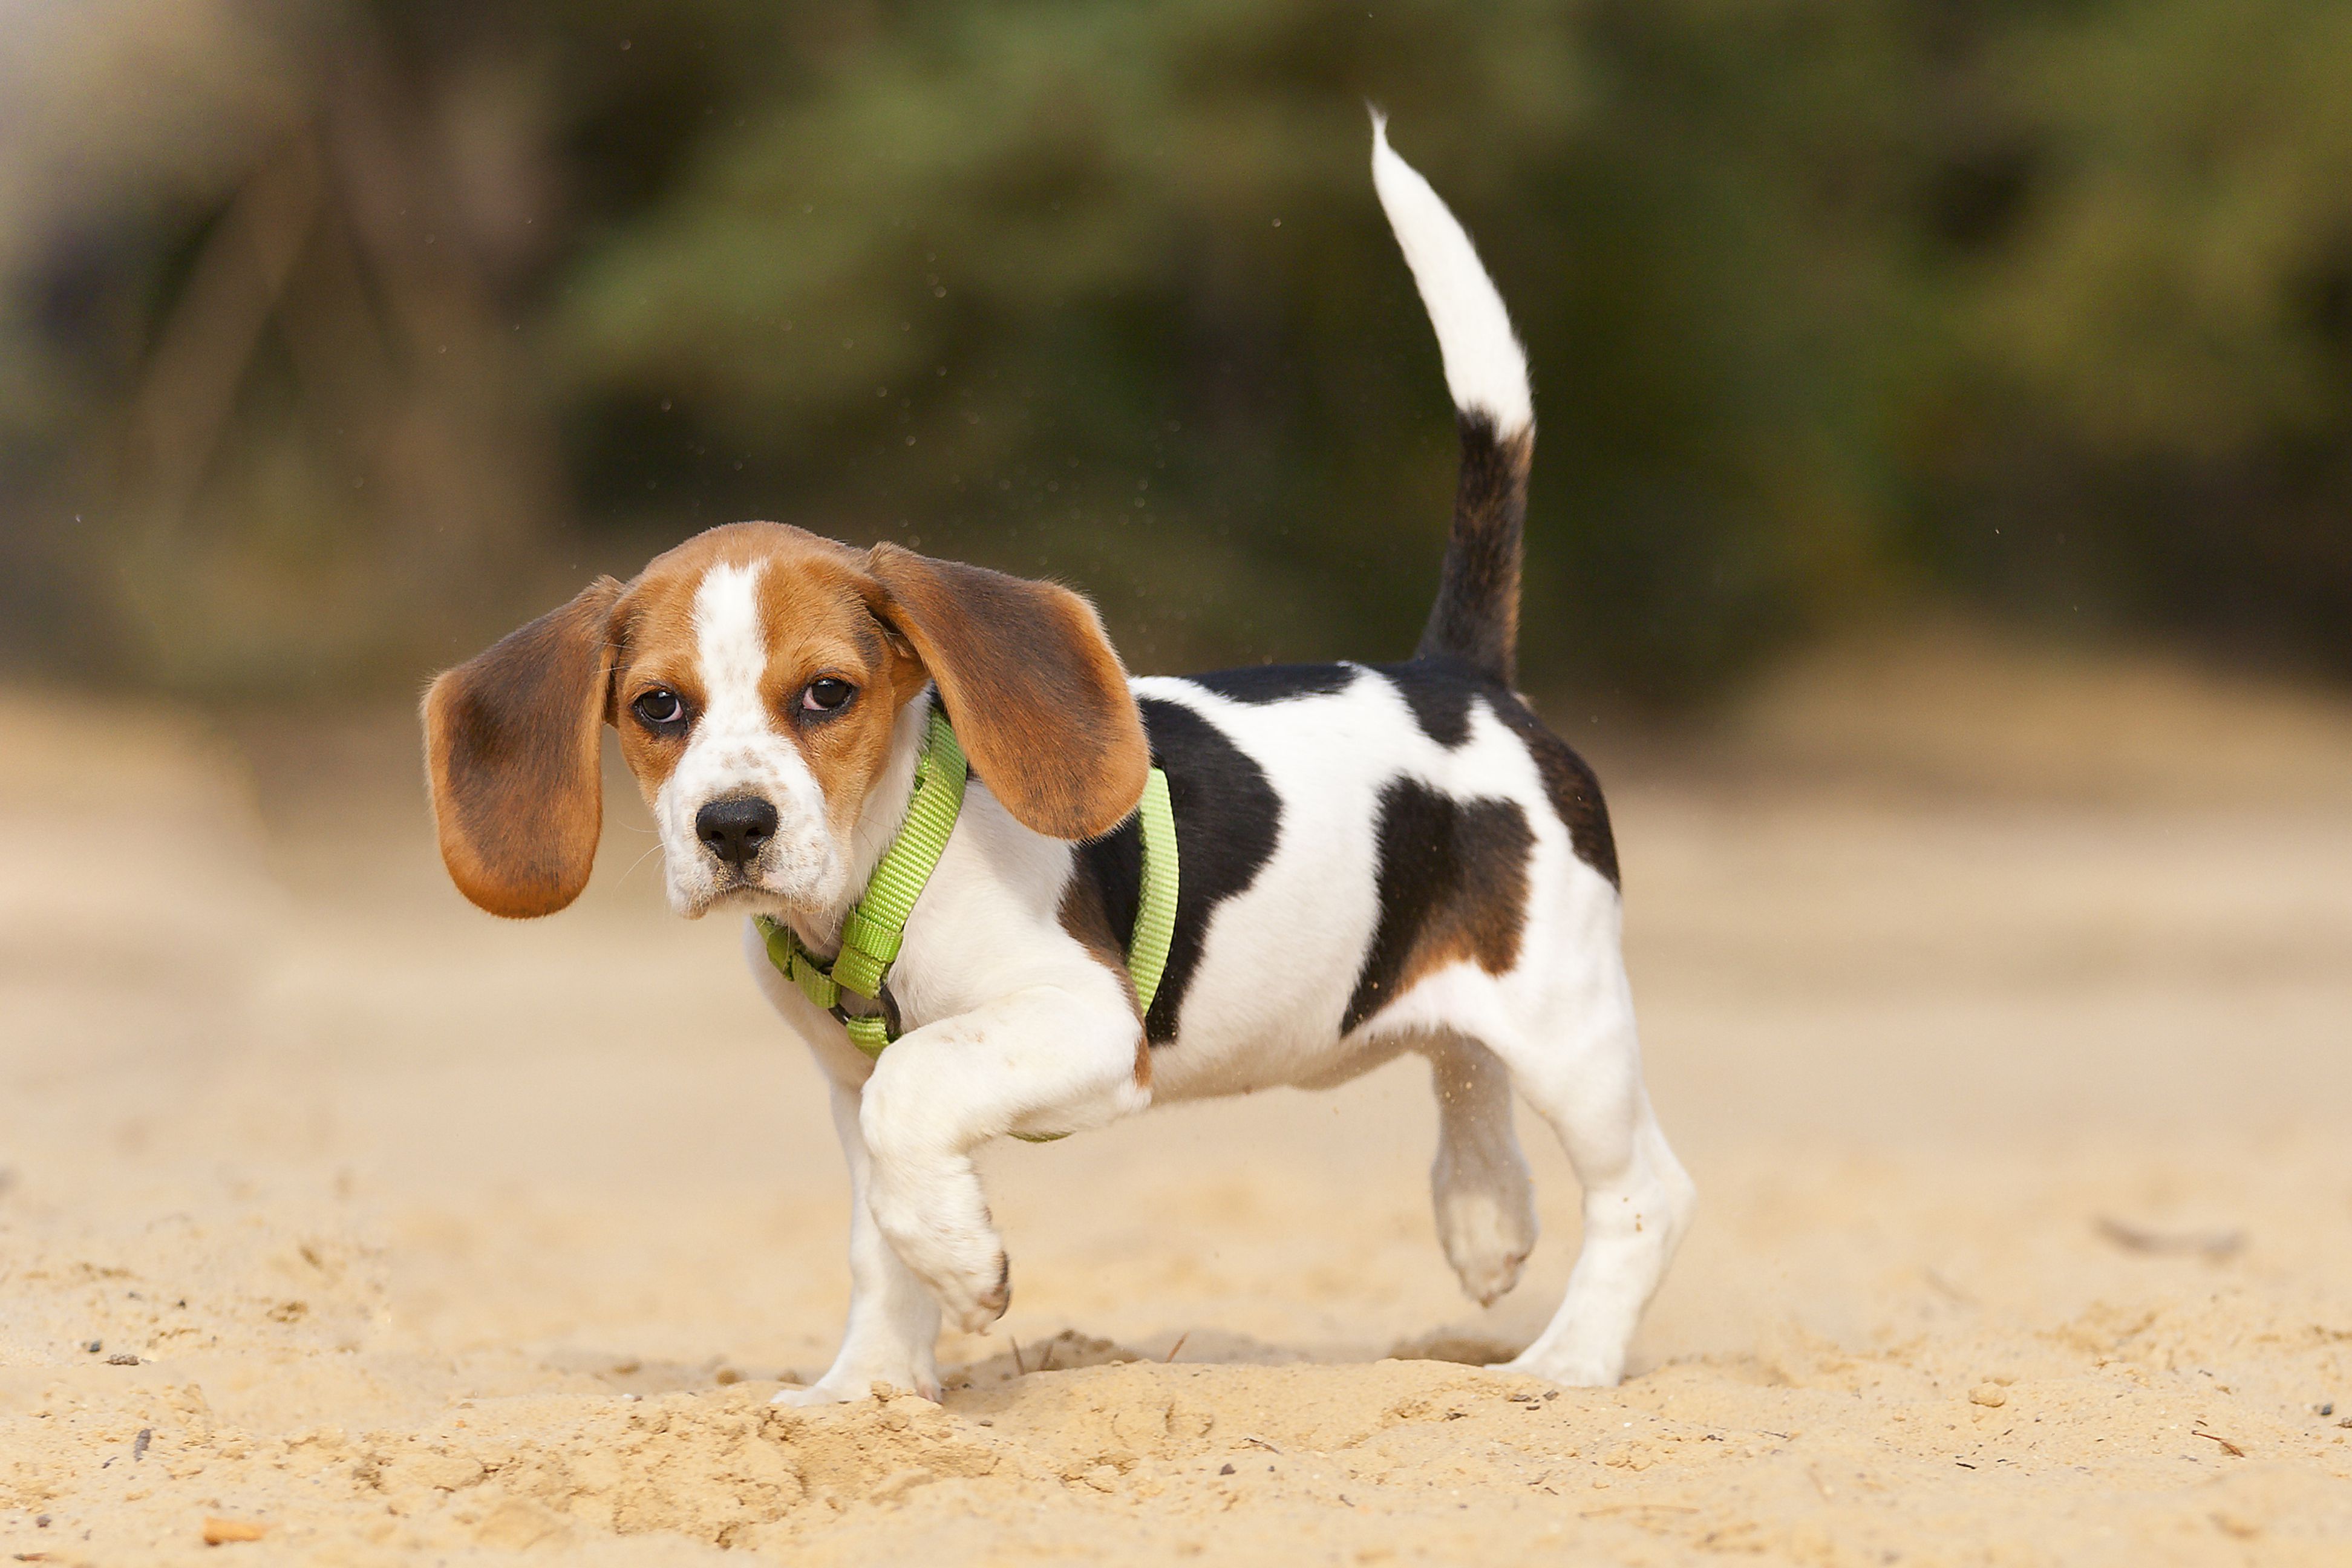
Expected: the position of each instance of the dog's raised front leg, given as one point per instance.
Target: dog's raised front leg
(894, 1320)
(1046, 1059)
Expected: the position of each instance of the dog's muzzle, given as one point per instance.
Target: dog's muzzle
(735, 831)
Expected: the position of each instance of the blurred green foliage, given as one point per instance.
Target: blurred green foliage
(1830, 307)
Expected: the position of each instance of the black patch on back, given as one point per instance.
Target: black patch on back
(1227, 821)
(1442, 862)
(1574, 791)
(1441, 694)
(1277, 682)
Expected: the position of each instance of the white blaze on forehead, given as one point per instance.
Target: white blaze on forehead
(737, 747)
(730, 639)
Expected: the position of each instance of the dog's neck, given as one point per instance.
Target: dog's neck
(881, 816)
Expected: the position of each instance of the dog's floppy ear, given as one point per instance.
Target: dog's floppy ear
(1037, 696)
(511, 749)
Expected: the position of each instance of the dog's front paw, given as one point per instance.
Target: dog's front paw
(960, 1260)
(1568, 1370)
(825, 1392)
(850, 1390)
(974, 1300)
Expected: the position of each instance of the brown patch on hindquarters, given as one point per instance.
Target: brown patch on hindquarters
(1445, 695)
(1088, 923)
(1453, 885)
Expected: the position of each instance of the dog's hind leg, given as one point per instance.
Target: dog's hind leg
(1577, 1060)
(894, 1318)
(1485, 1205)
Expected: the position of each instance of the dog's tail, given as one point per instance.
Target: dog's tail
(1475, 621)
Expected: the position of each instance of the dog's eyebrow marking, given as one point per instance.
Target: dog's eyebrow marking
(1228, 820)
(1453, 886)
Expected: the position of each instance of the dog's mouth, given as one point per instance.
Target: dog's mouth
(780, 882)
(736, 893)
(733, 892)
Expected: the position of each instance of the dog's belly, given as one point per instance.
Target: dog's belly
(1265, 1006)
(1271, 1064)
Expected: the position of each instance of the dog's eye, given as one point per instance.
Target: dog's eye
(827, 694)
(661, 711)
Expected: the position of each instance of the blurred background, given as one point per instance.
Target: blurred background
(336, 338)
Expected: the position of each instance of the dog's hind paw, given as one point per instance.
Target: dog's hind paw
(1487, 1279)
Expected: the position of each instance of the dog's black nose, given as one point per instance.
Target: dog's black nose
(735, 830)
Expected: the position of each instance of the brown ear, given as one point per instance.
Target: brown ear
(511, 744)
(1038, 698)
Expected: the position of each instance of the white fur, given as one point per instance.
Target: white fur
(1485, 369)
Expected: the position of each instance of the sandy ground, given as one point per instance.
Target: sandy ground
(2001, 1014)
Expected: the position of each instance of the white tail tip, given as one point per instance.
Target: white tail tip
(1485, 369)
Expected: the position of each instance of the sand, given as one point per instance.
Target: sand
(2007, 1040)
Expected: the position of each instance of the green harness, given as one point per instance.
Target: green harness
(876, 926)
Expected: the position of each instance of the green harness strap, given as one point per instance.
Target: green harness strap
(876, 926)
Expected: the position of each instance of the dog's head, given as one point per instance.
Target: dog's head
(757, 675)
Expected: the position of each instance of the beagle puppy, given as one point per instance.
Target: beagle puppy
(1375, 859)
